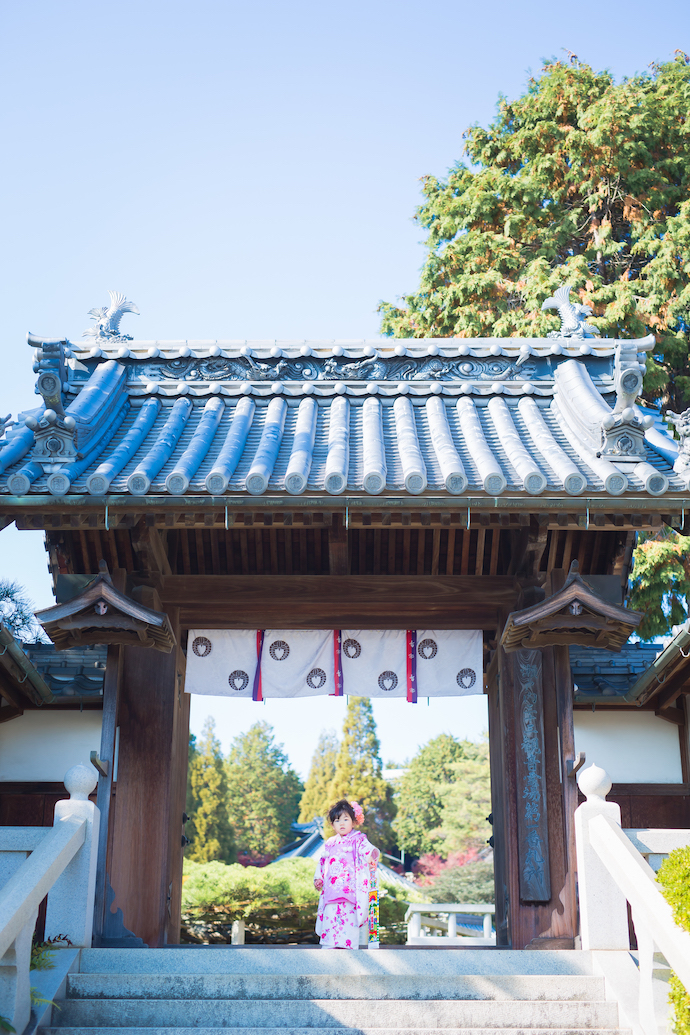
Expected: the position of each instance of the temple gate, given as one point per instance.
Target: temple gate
(483, 484)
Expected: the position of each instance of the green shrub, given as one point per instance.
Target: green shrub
(472, 883)
(281, 895)
(240, 888)
(674, 878)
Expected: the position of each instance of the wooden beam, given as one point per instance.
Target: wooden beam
(674, 715)
(667, 697)
(337, 546)
(13, 697)
(10, 713)
(147, 544)
(348, 601)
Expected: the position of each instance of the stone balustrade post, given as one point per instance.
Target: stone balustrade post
(15, 990)
(603, 906)
(71, 899)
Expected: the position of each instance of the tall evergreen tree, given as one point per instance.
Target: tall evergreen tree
(315, 800)
(421, 796)
(191, 802)
(263, 792)
(581, 180)
(358, 771)
(660, 581)
(467, 799)
(209, 829)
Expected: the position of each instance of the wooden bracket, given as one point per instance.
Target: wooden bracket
(100, 765)
(572, 766)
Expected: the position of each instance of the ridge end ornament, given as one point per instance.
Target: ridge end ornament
(107, 319)
(623, 430)
(681, 422)
(573, 315)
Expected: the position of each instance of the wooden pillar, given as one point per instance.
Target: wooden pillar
(530, 709)
(104, 798)
(499, 791)
(146, 859)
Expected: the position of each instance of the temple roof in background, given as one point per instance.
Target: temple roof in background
(78, 672)
(604, 676)
(534, 417)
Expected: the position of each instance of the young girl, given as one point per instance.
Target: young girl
(347, 916)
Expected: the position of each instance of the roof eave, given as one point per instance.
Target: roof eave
(650, 683)
(43, 694)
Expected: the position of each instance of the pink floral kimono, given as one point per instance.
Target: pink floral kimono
(348, 905)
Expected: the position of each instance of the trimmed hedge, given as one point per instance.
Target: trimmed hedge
(279, 898)
(674, 878)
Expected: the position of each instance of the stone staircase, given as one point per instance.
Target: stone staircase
(305, 991)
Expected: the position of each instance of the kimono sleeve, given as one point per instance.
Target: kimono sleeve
(367, 860)
(320, 871)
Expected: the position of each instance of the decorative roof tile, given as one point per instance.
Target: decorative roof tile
(535, 417)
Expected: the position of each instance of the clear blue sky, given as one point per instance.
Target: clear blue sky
(251, 170)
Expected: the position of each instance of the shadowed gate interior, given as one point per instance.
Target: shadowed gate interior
(144, 688)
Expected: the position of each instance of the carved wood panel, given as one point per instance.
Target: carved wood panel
(533, 833)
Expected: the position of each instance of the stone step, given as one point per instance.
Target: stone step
(328, 986)
(330, 1013)
(298, 961)
(341, 1031)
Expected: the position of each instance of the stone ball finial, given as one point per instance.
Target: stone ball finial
(594, 782)
(80, 780)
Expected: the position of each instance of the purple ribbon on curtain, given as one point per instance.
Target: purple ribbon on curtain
(256, 690)
(412, 666)
(338, 662)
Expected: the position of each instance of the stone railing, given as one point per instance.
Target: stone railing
(611, 874)
(58, 861)
(455, 929)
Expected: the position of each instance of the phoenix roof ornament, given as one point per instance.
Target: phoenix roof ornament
(573, 315)
(107, 319)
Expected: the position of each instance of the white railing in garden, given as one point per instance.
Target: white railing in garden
(454, 929)
(611, 874)
(58, 861)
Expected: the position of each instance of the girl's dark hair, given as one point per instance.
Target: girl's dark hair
(338, 809)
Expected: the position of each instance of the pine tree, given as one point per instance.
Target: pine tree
(17, 613)
(263, 792)
(420, 798)
(358, 773)
(315, 800)
(209, 829)
(467, 799)
(660, 581)
(583, 181)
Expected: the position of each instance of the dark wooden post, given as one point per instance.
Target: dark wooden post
(146, 866)
(111, 695)
(534, 873)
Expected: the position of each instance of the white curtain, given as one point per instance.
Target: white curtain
(297, 663)
(303, 663)
(221, 662)
(449, 663)
(374, 662)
